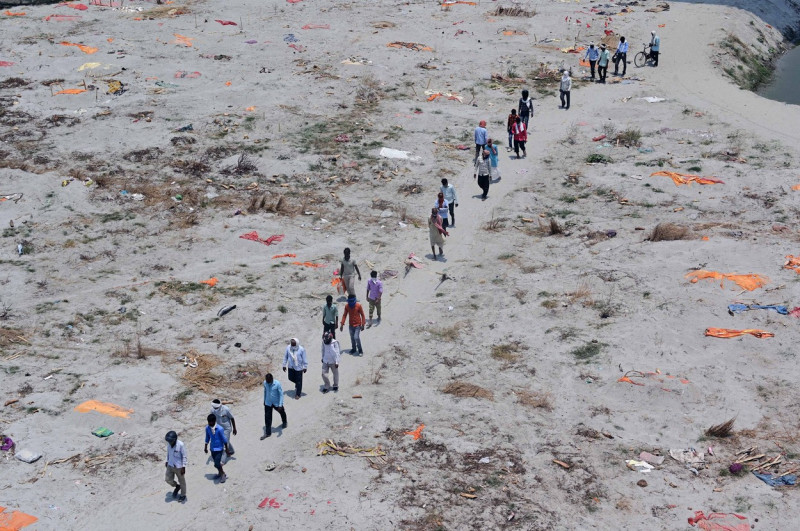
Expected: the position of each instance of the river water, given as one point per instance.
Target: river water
(786, 83)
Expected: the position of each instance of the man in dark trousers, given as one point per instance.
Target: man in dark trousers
(294, 359)
(273, 399)
(176, 465)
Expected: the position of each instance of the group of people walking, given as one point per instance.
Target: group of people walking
(221, 423)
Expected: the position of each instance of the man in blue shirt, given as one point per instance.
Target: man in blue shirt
(273, 399)
(216, 436)
(481, 134)
(655, 47)
(592, 54)
(622, 56)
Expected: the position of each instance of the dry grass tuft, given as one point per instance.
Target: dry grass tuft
(535, 399)
(555, 228)
(11, 336)
(582, 294)
(448, 333)
(669, 232)
(247, 376)
(167, 11)
(721, 430)
(495, 224)
(202, 377)
(369, 90)
(515, 11)
(508, 352)
(467, 390)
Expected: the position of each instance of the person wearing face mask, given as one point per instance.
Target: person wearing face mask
(226, 421)
(354, 310)
(295, 361)
(622, 56)
(331, 356)
(483, 171)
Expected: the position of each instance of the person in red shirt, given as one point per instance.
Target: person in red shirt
(357, 320)
(520, 137)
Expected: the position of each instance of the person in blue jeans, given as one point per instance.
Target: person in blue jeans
(215, 435)
(354, 310)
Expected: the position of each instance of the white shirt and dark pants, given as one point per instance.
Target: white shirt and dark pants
(331, 355)
(450, 196)
(565, 88)
(176, 464)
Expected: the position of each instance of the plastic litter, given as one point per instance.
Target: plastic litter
(653, 99)
(102, 432)
(28, 456)
(226, 309)
(639, 466)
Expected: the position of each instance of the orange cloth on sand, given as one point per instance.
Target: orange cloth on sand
(15, 520)
(584, 62)
(416, 433)
(680, 178)
(727, 332)
(308, 264)
(180, 39)
(106, 408)
(338, 284)
(793, 263)
(748, 282)
(287, 255)
(81, 47)
(796, 187)
(70, 91)
(211, 281)
(18, 14)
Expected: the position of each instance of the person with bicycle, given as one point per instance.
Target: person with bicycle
(655, 46)
(621, 56)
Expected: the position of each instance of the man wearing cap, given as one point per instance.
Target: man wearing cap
(273, 399)
(655, 46)
(294, 359)
(226, 421)
(602, 63)
(481, 134)
(176, 465)
(331, 356)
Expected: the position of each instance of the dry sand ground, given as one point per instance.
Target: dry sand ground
(544, 324)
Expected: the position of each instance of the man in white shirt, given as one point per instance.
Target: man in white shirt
(294, 359)
(450, 196)
(226, 421)
(622, 56)
(565, 87)
(176, 465)
(331, 356)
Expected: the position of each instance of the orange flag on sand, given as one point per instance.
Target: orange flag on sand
(103, 407)
(727, 332)
(82, 47)
(747, 282)
(680, 178)
(793, 263)
(15, 520)
(180, 39)
(416, 433)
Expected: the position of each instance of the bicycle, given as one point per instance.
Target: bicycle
(643, 57)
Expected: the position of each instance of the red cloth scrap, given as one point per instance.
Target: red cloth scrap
(227, 22)
(253, 236)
